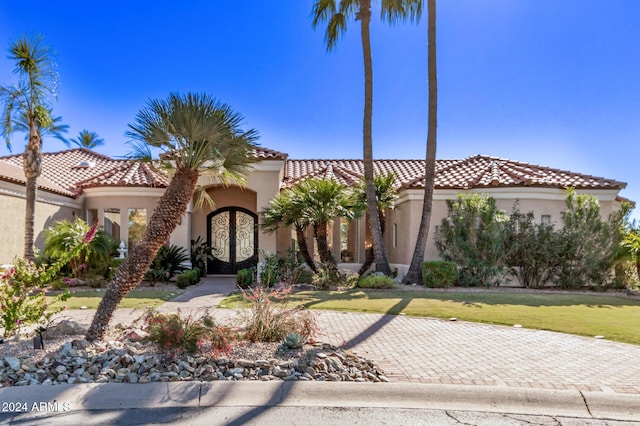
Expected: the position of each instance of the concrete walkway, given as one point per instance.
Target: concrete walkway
(434, 351)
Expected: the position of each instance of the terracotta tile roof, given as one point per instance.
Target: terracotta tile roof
(69, 172)
(269, 154)
(14, 174)
(129, 173)
(473, 172)
(68, 168)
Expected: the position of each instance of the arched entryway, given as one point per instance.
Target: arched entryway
(233, 234)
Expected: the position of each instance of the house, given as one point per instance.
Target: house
(121, 195)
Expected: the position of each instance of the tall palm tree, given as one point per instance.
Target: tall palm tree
(386, 194)
(336, 13)
(29, 101)
(287, 209)
(414, 275)
(323, 200)
(88, 140)
(193, 133)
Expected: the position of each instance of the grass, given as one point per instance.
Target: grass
(134, 299)
(616, 318)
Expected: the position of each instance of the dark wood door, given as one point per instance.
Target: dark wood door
(233, 234)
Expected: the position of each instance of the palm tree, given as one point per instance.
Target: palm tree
(386, 194)
(323, 200)
(336, 13)
(29, 101)
(88, 140)
(193, 133)
(630, 246)
(414, 275)
(287, 210)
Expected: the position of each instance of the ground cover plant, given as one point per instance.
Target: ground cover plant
(134, 299)
(616, 318)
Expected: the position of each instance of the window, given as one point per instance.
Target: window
(92, 215)
(112, 223)
(137, 225)
(545, 219)
(395, 235)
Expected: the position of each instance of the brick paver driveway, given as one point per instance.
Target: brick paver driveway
(438, 351)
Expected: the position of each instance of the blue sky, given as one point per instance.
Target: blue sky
(544, 81)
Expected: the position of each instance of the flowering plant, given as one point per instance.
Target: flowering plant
(23, 300)
(176, 333)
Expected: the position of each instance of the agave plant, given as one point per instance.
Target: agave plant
(294, 340)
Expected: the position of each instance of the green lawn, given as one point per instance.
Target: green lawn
(616, 318)
(135, 299)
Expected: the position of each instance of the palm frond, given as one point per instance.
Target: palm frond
(201, 198)
(394, 11)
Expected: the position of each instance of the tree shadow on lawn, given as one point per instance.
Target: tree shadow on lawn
(468, 299)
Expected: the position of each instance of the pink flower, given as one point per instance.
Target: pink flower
(64, 308)
(18, 321)
(92, 233)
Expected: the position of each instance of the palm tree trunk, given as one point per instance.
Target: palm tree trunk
(163, 222)
(326, 257)
(304, 249)
(415, 269)
(382, 265)
(370, 256)
(32, 165)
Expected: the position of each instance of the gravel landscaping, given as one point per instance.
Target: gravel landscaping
(126, 357)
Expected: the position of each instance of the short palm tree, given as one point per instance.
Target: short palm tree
(322, 201)
(28, 103)
(193, 133)
(287, 210)
(630, 246)
(336, 13)
(88, 140)
(386, 194)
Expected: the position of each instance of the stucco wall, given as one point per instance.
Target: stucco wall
(49, 208)
(542, 201)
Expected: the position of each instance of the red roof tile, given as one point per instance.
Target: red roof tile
(68, 172)
(15, 174)
(473, 172)
(269, 154)
(128, 173)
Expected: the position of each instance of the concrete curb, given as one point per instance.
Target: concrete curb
(110, 396)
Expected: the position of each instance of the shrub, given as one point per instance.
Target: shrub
(244, 278)
(187, 278)
(352, 280)
(292, 271)
(153, 276)
(439, 274)
(473, 237)
(377, 281)
(589, 243)
(305, 276)
(534, 250)
(170, 259)
(201, 252)
(22, 301)
(269, 319)
(269, 270)
(176, 334)
(327, 277)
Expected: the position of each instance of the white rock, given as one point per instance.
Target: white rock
(12, 362)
